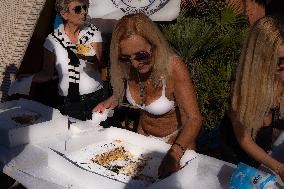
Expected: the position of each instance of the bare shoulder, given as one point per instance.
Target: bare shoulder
(180, 70)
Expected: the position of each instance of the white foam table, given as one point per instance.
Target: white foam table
(29, 164)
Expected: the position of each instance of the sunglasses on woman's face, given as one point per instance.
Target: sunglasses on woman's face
(78, 9)
(280, 60)
(141, 57)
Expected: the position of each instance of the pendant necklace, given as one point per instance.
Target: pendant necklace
(141, 91)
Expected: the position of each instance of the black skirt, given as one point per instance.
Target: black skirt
(81, 109)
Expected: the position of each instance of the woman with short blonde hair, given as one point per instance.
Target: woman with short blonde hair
(74, 50)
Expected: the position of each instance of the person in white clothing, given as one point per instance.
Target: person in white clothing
(74, 51)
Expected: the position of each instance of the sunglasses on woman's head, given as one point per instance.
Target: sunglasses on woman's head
(78, 9)
(141, 57)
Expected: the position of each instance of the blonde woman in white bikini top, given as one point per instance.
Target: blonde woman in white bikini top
(155, 80)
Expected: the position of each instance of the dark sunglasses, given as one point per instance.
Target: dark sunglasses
(280, 60)
(141, 57)
(78, 9)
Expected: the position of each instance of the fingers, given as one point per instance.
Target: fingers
(281, 174)
(141, 131)
(168, 166)
(172, 139)
(99, 108)
(163, 173)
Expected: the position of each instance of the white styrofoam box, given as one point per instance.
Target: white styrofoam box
(78, 128)
(184, 178)
(50, 123)
(46, 111)
(68, 158)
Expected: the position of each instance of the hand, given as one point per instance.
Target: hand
(141, 131)
(170, 163)
(281, 172)
(100, 107)
(103, 105)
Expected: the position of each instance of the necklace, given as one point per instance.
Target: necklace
(141, 91)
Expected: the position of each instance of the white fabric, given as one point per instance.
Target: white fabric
(157, 10)
(166, 138)
(21, 86)
(90, 80)
(158, 107)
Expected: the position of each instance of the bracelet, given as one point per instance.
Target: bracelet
(181, 147)
(277, 170)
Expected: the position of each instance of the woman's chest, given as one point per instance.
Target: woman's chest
(148, 93)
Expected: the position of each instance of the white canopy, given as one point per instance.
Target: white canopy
(157, 10)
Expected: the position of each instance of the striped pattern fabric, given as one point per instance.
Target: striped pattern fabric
(18, 20)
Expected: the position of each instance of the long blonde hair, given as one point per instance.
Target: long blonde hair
(138, 24)
(256, 89)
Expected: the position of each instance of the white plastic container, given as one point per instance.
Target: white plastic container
(49, 123)
(73, 158)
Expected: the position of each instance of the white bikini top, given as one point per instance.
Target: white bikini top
(159, 107)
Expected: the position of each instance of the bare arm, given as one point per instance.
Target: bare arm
(187, 102)
(108, 103)
(47, 70)
(248, 145)
(186, 99)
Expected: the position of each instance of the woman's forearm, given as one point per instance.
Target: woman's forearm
(188, 134)
(259, 154)
(251, 148)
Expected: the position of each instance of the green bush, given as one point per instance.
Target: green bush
(209, 39)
